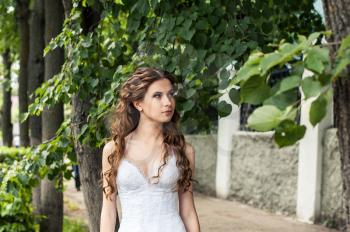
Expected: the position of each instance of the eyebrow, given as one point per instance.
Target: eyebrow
(172, 89)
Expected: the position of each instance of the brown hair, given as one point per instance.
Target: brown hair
(124, 119)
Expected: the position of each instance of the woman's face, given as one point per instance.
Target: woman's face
(159, 101)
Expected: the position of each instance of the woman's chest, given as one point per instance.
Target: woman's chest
(163, 178)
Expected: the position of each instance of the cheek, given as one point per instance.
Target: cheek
(154, 106)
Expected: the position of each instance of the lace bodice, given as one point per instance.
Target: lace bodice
(148, 206)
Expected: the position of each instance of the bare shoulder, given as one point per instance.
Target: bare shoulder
(190, 152)
(108, 149)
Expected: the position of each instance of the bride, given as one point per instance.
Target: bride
(147, 161)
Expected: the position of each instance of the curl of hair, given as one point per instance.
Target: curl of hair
(124, 119)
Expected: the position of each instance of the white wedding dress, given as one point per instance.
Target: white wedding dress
(145, 206)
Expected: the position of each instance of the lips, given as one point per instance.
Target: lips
(168, 111)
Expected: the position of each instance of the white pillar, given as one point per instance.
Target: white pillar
(310, 164)
(226, 127)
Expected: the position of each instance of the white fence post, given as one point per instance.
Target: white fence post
(226, 127)
(310, 164)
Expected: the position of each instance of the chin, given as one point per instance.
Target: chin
(165, 120)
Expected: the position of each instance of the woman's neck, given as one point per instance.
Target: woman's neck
(148, 133)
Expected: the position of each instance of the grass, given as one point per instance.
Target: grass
(74, 225)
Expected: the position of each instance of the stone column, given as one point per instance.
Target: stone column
(310, 164)
(227, 126)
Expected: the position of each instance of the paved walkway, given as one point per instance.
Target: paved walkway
(215, 215)
(222, 215)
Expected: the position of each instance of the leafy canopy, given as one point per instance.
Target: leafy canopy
(281, 102)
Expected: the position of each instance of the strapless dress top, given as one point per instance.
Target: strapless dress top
(147, 206)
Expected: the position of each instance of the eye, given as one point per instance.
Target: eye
(157, 96)
(172, 93)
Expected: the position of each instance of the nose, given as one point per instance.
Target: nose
(167, 100)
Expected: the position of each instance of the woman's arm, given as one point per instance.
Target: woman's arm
(186, 204)
(109, 207)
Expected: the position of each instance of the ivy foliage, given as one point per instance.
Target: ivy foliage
(15, 200)
(8, 28)
(280, 102)
(21, 170)
(192, 39)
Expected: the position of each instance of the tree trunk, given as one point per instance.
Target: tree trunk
(23, 17)
(338, 20)
(89, 158)
(7, 135)
(35, 78)
(52, 198)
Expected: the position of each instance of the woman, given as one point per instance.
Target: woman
(147, 162)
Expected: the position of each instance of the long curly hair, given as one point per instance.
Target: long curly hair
(125, 118)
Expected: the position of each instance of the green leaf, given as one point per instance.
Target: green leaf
(224, 74)
(264, 118)
(324, 79)
(83, 130)
(288, 49)
(188, 105)
(68, 175)
(270, 60)
(245, 73)
(318, 109)
(120, 2)
(202, 24)
(240, 49)
(223, 84)
(254, 58)
(255, 90)
(185, 31)
(190, 92)
(287, 84)
(234, 96)
(86, 43)
(200, 40)
(340, 66)
(344, 47)
(316, 60)
(311, 39)
(310, 87)
(288, 133)
(23, 117)
(289, 113)
(210, 59)
(22, 178)
(224, 79)
(298, 69)
(93, 82)
(249, 69)
(282, 100)
(224, 109)
(221, 60)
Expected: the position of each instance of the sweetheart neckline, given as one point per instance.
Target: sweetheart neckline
(145, 178)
